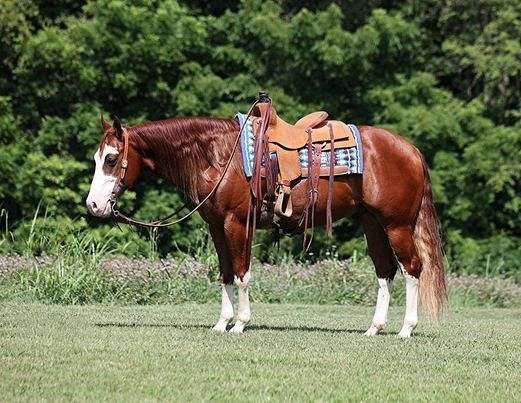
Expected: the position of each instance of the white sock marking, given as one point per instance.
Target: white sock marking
(411, 305)
(243, 309)
(226, 308)
(382, 306)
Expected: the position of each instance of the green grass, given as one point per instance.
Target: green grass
(291, 352)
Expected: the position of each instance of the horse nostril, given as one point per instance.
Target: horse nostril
(94, 206)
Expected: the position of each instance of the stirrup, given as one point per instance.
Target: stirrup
(283, 205)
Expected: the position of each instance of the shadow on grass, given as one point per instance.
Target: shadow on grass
(304, 328)
(249, 328)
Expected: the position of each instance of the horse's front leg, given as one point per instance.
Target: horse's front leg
(226, 272)
(226, 309)
(243, 309)
(235, 237)
(385, 264)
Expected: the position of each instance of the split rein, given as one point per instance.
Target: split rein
(163, 222)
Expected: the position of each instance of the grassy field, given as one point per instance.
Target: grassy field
(291, 352)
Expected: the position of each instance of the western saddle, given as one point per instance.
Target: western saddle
(277, 146)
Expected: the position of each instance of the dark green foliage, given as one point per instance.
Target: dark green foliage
(444, 74)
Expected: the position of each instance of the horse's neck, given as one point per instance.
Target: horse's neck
(181, 152)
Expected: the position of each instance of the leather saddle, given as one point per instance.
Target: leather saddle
(313, 133)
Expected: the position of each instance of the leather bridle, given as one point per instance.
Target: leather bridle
(119, 185)
(163, 222)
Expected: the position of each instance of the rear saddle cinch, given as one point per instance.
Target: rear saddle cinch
(313, 147)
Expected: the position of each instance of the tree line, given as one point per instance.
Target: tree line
(445, 74)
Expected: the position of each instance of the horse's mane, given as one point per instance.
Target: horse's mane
(183, 148)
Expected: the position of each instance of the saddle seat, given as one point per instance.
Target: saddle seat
(313, 119)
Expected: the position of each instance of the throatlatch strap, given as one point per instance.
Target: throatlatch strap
(124, 165)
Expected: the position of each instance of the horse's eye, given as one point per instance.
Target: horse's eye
(111, 160)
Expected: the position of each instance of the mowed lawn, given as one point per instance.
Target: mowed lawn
(291, 352)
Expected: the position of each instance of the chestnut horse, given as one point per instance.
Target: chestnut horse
(392, 199)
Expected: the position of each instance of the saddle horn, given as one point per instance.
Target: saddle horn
(264, 97)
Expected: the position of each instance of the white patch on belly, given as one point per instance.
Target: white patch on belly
(98, 200)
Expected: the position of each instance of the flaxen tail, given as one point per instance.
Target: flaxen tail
(433, 290)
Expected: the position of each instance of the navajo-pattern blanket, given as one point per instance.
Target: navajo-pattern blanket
(351, 157)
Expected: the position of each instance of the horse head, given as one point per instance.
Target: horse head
(118, 165)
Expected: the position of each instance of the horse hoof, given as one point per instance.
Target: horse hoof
(373, 330)
(406, 331)
(220, 327)
(237, 328)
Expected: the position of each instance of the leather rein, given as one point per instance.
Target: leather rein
(163, 222)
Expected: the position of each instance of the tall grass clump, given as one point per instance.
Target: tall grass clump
(71, 276)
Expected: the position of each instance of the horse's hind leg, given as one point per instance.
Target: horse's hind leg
(401, 239)
(385, 264)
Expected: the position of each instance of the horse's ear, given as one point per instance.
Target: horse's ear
(104, 124)
(119, 128)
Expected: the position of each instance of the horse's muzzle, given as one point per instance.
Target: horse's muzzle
(101, 211)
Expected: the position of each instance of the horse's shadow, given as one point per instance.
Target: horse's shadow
(249, 328)
(303, 328)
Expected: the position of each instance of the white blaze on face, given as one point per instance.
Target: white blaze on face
(98, 200)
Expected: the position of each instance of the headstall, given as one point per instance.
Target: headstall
(163, 222)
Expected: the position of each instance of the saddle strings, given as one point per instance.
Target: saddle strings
(260, 151)
(332, 163)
